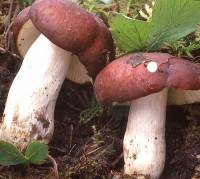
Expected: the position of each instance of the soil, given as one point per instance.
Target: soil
(94, 150)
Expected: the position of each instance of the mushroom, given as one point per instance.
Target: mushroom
(144, 79)
(66, 31)
(25, 33)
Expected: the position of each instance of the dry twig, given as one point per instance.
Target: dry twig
(55, 166)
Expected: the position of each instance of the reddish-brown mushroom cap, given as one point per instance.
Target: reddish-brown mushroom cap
(99, 52)
(127, 78)
(73, 29)
(64, 23)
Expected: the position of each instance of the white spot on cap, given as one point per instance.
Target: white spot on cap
(152, 67)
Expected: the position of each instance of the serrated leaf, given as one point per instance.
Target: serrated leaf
(36, 152)
(129, 34)
(171, 20)
(10, 155)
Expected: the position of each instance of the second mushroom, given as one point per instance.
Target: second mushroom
(148, 81)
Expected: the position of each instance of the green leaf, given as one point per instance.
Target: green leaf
(171, 20)
(129, 34)
(36, 152)
(10, 155)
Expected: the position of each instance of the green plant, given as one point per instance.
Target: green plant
(184, 47)
(95, 6)
(187, 45)
(171, 20)
(24, 3)
(94, 110)
(36, 153)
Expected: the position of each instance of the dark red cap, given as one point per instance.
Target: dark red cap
(127, 78)
(99, 52)
(73, 29)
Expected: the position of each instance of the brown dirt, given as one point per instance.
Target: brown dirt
(93, 150)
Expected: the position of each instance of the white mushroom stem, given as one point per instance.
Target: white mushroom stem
(29, 110)
(144, 141)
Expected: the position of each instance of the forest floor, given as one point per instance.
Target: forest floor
(93, 150)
